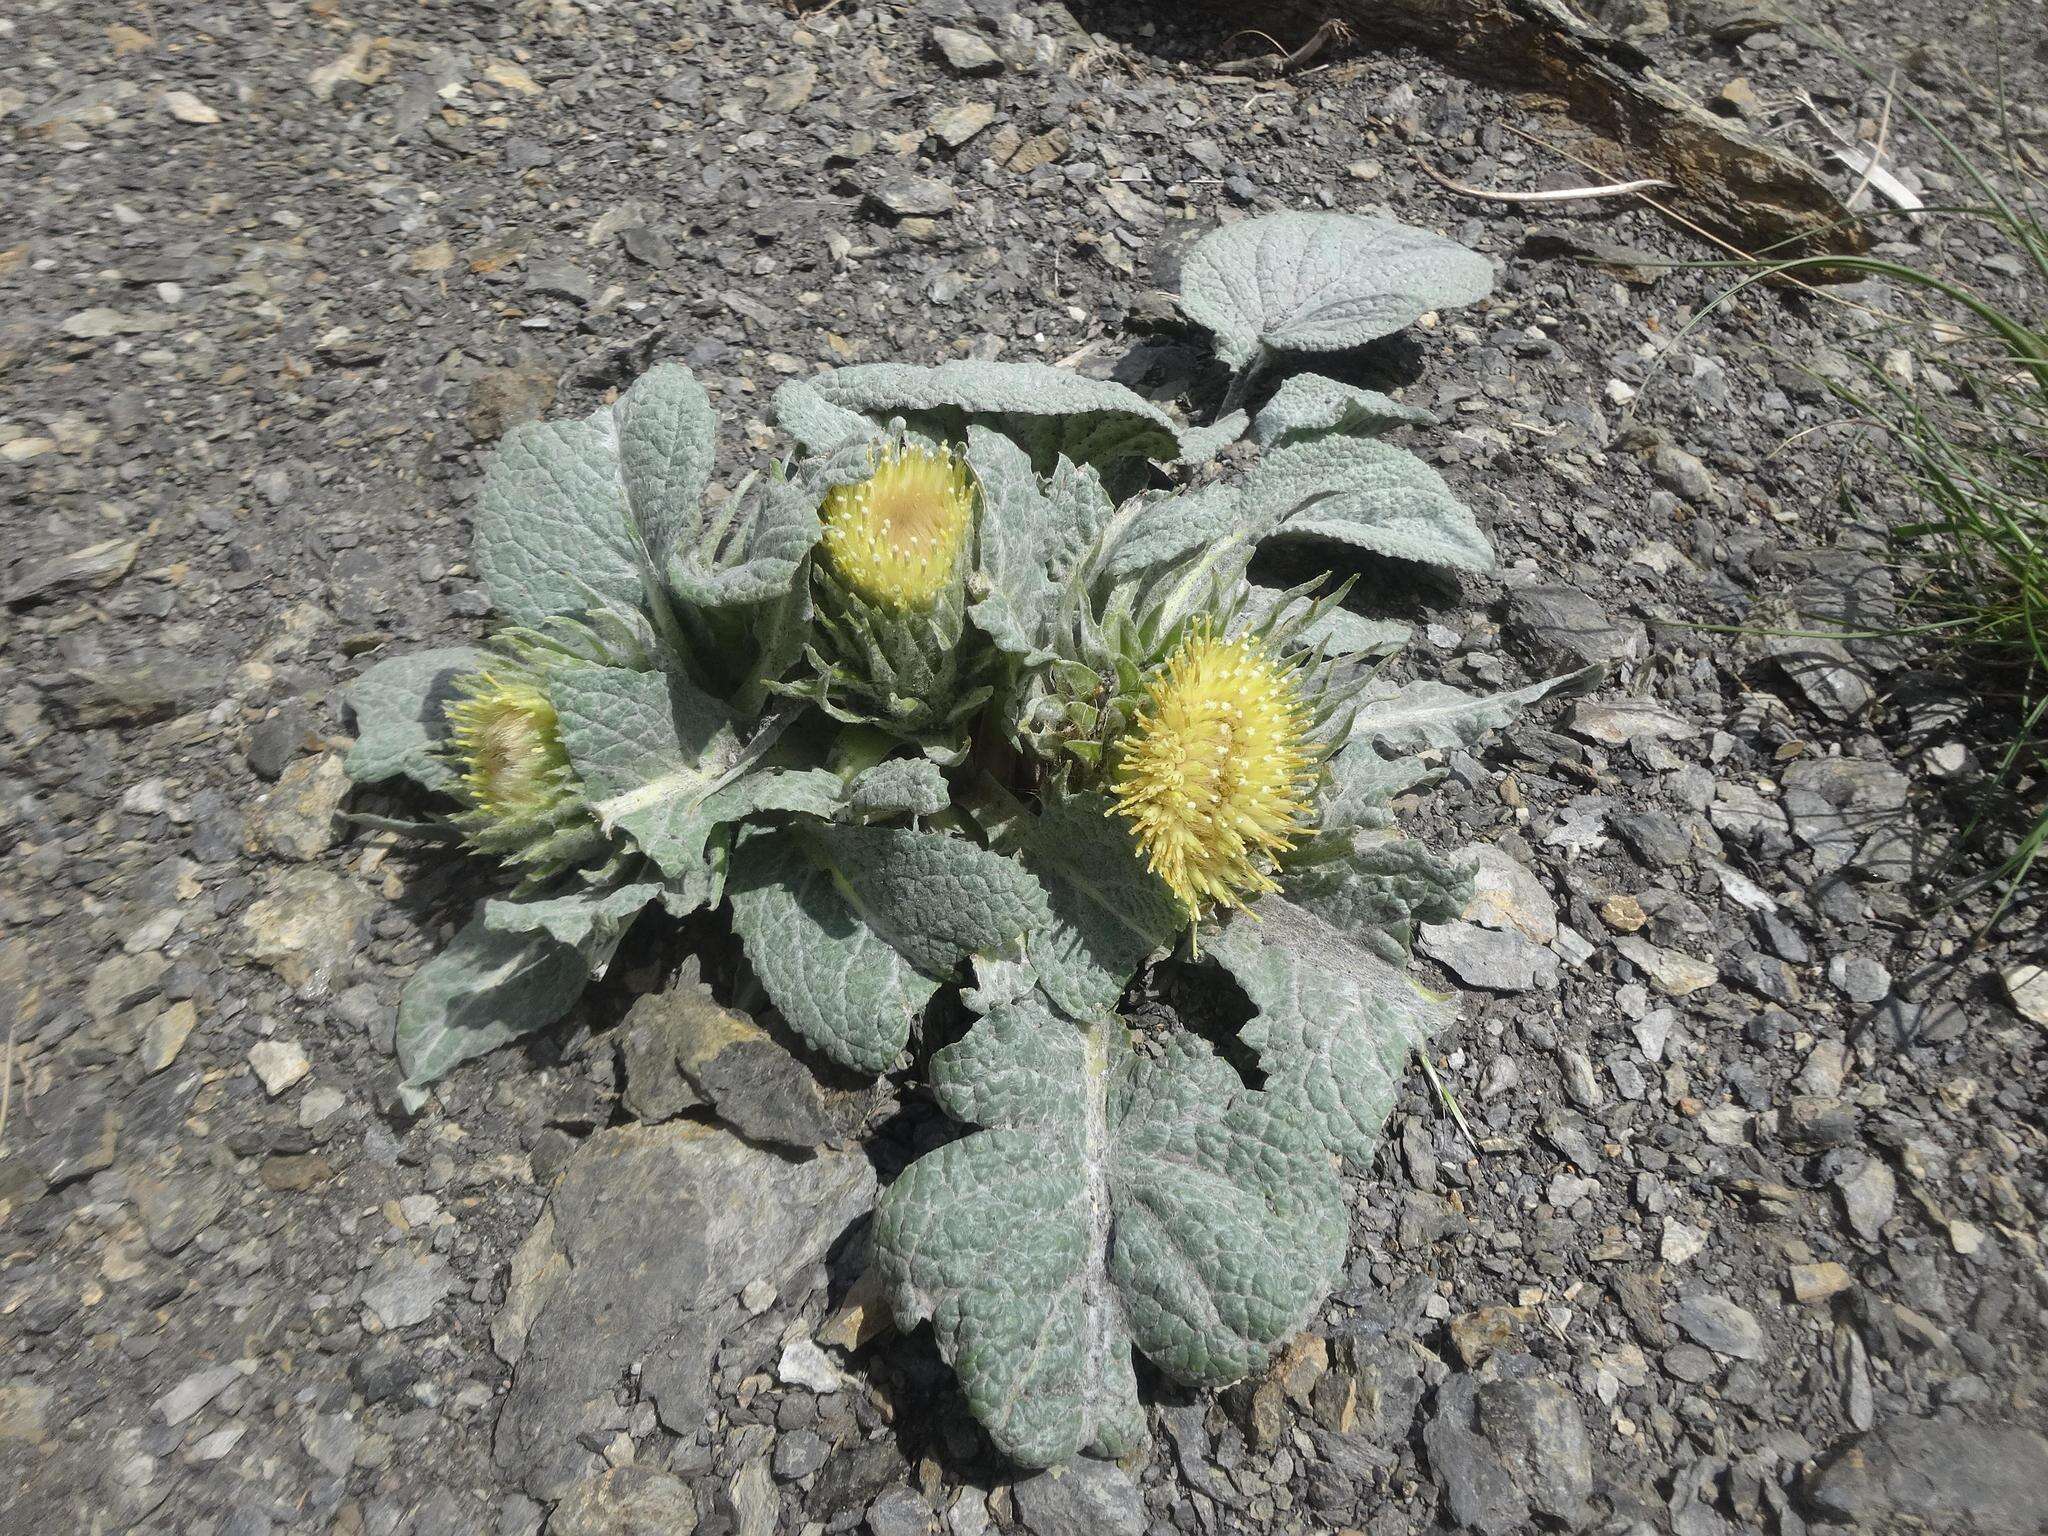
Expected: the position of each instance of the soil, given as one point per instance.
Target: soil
(1740, 1227)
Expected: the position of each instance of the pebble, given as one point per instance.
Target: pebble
(906, 196)
(1086, 1497)
(966, 52)
(1818, 1282)
(2027, 986)
(1859, 978)
(1721, 1326)
(278, 1064)
(406, 1287)
(1674, 974)
(803, 1364)
(1615, 723)
(1868, 1195)
(195, 1392)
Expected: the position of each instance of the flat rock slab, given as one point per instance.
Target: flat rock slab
(638, 1261)
(1945, 1472)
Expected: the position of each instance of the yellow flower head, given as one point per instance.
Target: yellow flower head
(507, 743)
(1217, 774)
(895, 538)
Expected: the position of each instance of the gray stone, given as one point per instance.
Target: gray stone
(2027, 986)
(148, 688)
(754, 1505)
(1560, 629)
(1947, 1472)
(966, 52)
(1086, 1497)
(800, 1453)
(904, 196)
(626, 1501)
(1825, 672)
(561, 279)
(309, 928)
(1655, 837)
(1721, 1326)
(176, 1210)
(406, 1287)
(276, 740)
(956, 125)
(1859, 978)
(1615, 722)
(1675, 974)
(1849, 812)
(1682, 473)
(121, 981)
(195, 1392)
(278, 1064)
(25, 1412)
(805, 1365)
(1868, 1193)
(95, 566)
(299, 819)
(1509, 1446)
(681, 1050)
(639, 1259)
(1507, 894)
(1500, 961)
(901, 1512)
(332, 1439)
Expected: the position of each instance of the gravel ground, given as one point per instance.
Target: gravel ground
(1749, 1239)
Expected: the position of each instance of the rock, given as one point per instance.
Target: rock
(24, 1413)
(1681, 473)
(278, 1064)
(905, 196)
(332, 1440)
(2027, 986)
(1616, 722)
(297, 820)
(195, 1392)
(1946, 1472)
(406, 1287)
(309, 929)
(1041, 150)
(805, 1365)
(1485, 957)
(752, 1502)
(1623, 913)
(1849, 812)
(1654, 837)
(275, 740)
(639, 1258)
(93, 567)
(966, 52)
(956, 125)
(562, 280)
(187, 108)
(1721, 1326)
(901, 1512)
(119, 982)
(1859, 978)
(1674, 974)
(1560, 629)
(681, 1050)
(176, 1210)
(1868, 1194)
(1818, 1282)
(1825, 672)
(149, 688)
(1510, 1447)
(1086, 1497)
(166, 1036)
(626, 1501)
(1507, 894)
(503, 398)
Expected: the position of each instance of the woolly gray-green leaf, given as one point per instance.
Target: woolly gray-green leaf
(1016, 534)
(489, 986)
(1047, 410)
(650, 749)
(400, 706)
(553, 534)
(1114, 1204)
(1369, 494)
(1335, 1023)
(1414, 716)
(1198, 445)
(936, 898)
(835, 980)
(902, 786)
(1307, 405)
(1320, 282)
(590, 921)
(1110, 914)
(1375, 887)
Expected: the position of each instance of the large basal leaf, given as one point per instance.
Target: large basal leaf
(553, 530)
(488, 987)
(1368, 494)
(590, 921)
(1110, 914)
(1411, 717)
(1375, 887)
(1321, 282)
(1013, 594)
(1048, 411)
(1309, 405)
(834, 979)
(902, 786)
(400, 706)
(1335, 1025)
(1112, 1204)
(850, 929)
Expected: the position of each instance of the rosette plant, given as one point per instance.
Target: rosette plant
(976, 693)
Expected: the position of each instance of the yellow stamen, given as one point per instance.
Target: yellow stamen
(896, 537)
(1217, 775)
(508, 743)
